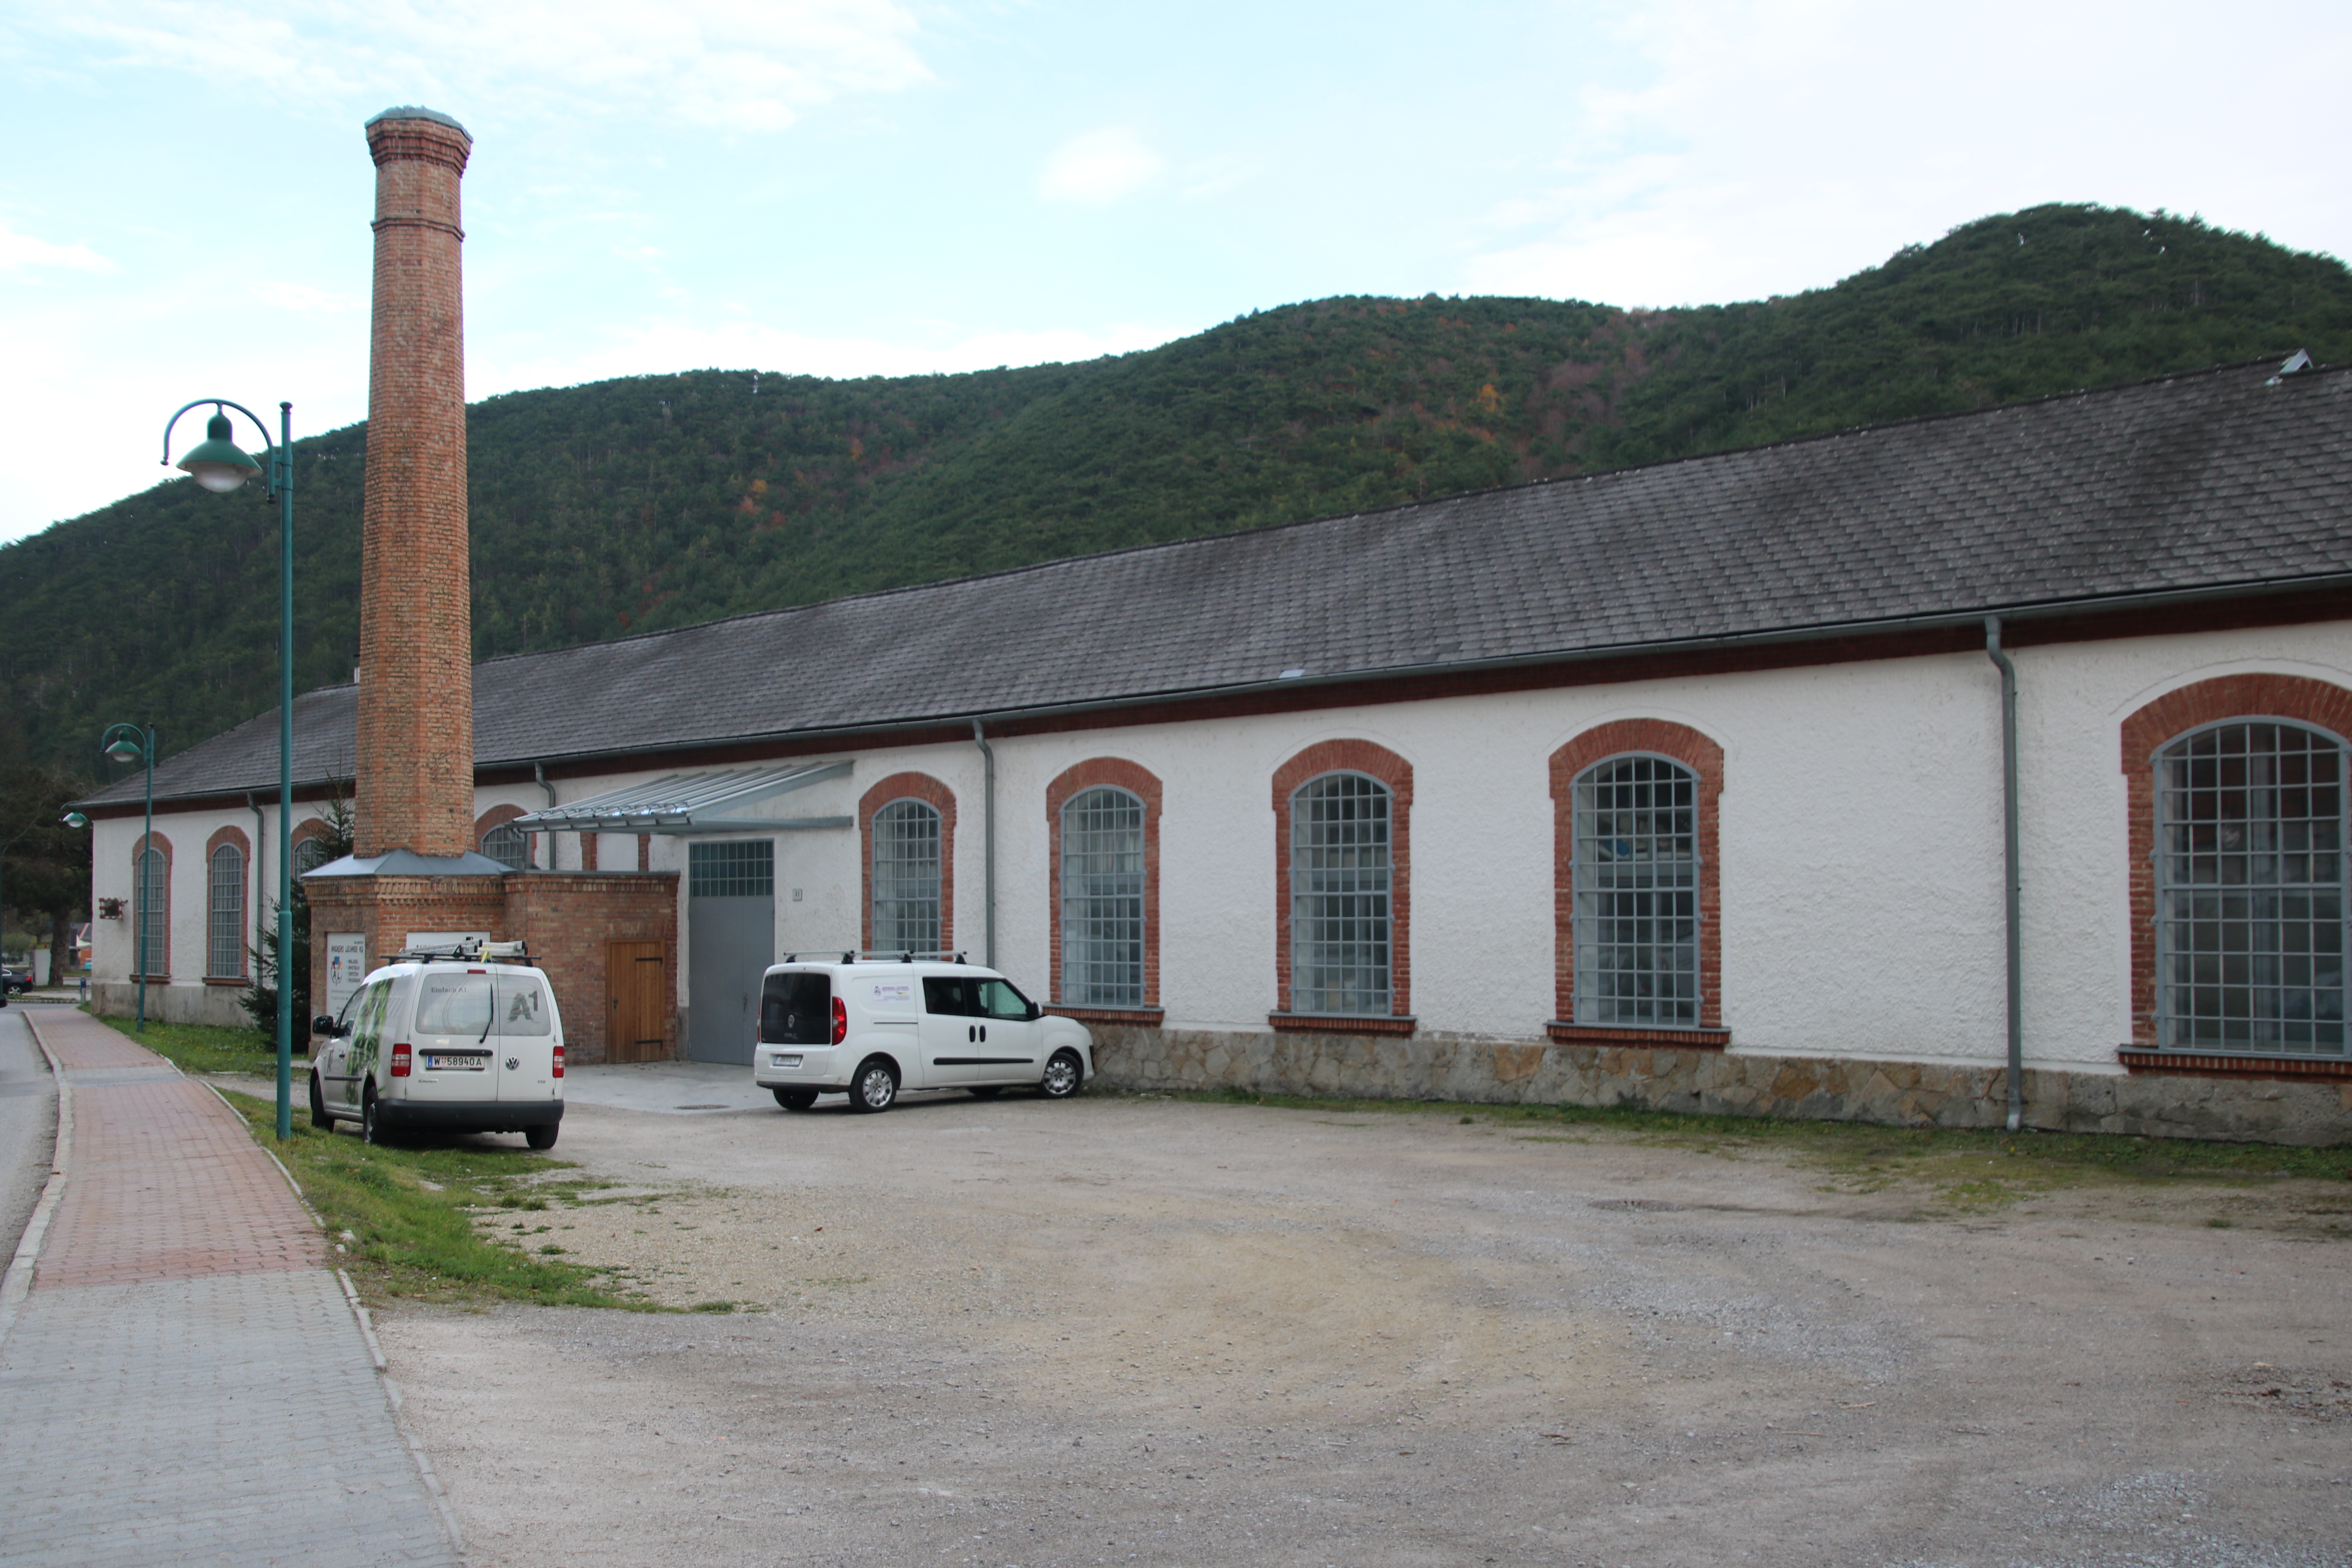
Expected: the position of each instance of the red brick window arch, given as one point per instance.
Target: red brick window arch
(227, 858)
(509, 846)
(1636, 893)
(1102, 824)
(2236, 788)
(310, 838)
(151, 906)
(906, 833)
(1343, 889)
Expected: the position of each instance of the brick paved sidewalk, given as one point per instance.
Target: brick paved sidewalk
(185, 1382)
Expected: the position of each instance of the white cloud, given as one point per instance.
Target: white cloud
(303, 300)
(1098, 167)
(22, 252)
(747, 65)
(1775, 145)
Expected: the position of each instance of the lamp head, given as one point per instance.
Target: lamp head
(74, 819)
(126, 749)
(216, 461)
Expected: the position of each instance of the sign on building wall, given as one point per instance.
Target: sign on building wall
(346, 967)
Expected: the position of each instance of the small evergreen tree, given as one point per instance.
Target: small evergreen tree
(260, 998)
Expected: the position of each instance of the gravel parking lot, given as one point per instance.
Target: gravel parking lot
(1120, 1331)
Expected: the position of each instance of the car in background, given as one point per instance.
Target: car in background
(14, 982)
(871, 1027)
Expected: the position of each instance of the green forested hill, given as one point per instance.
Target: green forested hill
(661, 500)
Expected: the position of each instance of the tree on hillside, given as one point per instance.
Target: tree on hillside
(44, 864)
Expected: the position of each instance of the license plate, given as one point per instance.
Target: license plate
(785, 1061)
(456, 1064)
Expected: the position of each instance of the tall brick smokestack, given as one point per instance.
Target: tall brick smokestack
(415, 785)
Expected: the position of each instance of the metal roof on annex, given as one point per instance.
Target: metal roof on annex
(2225, 481)
(691, 803)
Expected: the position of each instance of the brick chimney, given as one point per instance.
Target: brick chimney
(415, 765)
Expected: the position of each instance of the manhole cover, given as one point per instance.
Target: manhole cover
(1642, 1205)
(701, 1108)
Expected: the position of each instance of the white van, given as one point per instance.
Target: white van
(467, 1041)
(870, 1028)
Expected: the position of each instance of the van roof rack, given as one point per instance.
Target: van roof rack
(881, 955)
(467, 953)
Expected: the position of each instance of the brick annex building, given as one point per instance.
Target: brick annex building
(1682, 787)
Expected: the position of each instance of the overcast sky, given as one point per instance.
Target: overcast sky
(851, 187)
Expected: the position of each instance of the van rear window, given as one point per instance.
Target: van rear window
(465, 1004)
(796, 1010)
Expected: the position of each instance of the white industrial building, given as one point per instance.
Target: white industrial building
(1681, 786)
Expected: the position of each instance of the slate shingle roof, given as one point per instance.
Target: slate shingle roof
(2195, 482)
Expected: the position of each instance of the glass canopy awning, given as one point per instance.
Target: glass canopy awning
(686, 803)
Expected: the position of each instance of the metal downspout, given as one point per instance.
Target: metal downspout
(539, 771)
(2009, 869)
(988, 840)
(261, 837)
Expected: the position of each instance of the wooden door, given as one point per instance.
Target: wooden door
(635, 996)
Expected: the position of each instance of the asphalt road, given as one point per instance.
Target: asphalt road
(29, 1124)
(1122, 1331)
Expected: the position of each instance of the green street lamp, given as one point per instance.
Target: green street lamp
(218, 466)
(134, 744)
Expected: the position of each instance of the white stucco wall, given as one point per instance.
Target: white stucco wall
(1860, 846)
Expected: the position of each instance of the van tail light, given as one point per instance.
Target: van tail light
(400, 1060)
(559, 1062)
(840, 1021)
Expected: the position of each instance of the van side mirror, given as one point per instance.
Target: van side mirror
(323, 1024)
(1035, 1012)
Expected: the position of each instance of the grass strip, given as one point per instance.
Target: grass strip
(410, 1211)
(208, 1047)
(1857, 1146)
(405, 1216)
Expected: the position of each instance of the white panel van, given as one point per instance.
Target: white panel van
(872, 1028)
(446, 1046)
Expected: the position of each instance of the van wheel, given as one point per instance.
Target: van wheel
(1062, 1076)
(371, 1128)
(876, 1085)
(319, 1117)
(542, 1136)
(795, 1098)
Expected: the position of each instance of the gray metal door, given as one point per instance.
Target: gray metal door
(731, 923)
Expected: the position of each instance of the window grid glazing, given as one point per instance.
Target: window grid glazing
(1102, 899)
(508, 845)
(2251, 890)
(906, 878)
(734, 869)
(1339, 892)
(1636, 876)
(225, 913)
(154, 879)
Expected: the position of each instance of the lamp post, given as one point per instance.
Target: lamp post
(133, 744)
(218, 466)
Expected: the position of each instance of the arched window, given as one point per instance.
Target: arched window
(1339, 885)
(906, 878)
(1103, 899)
(508, 844)
(2251, 890)
(225, 913)
(1636, 876)
(152, 873)
(310, 854)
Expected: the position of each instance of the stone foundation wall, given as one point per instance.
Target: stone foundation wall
(1738, 1083)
